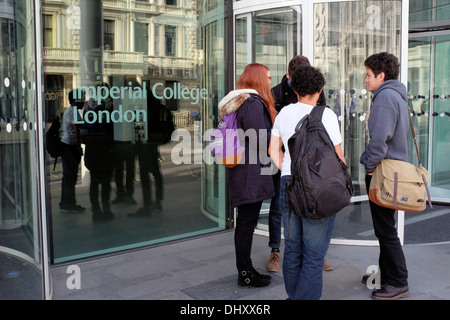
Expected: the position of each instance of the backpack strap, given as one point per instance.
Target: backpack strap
(315, 114)
(299, 124)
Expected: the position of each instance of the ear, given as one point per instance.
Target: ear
(287, 75)
(382, 76)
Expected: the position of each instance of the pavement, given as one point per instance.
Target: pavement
(203, 268)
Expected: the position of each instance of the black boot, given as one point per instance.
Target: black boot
(263, 276)
(251, 279)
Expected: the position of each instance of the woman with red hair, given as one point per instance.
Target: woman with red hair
(250, 182)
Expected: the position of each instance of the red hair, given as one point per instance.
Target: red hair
(255, 77)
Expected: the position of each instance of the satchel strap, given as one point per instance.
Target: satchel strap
(428, 190)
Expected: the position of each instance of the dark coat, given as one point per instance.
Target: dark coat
(284, 95)
(246, 183)
(98, 138)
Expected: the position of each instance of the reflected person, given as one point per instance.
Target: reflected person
(71, 153)
(149, 159)
(124, 152)
(98, 138)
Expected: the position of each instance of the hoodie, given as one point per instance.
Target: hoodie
(249, 182)
(284, 95)
(388, 125)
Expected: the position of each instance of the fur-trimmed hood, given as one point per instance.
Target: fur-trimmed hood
(234, 100)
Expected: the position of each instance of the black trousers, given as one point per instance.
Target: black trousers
(247, 219)
(392, 261)
(100, 179)
(148, 155)
(71, 157)
(124, 161)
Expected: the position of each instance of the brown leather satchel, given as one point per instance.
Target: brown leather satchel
(400, 185)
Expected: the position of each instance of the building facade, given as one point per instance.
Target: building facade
(134, 60)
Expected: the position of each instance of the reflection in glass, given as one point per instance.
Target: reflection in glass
(274, 39)
(441, 125)
(346, 34)
(428, 83)
(141, 68)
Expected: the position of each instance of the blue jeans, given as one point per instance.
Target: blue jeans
(306, 244)
(275, 215)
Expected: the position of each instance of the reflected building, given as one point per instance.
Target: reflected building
(91, 41)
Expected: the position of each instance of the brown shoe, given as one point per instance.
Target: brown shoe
(274, 262)
(390, 293)
(327, 266)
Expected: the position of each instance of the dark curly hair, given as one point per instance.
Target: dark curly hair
(307, 80)
(384, 62)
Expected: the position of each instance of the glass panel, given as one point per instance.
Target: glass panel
(273, 41)
(441, 120)
(20, 238)
(136, 188)
(419, 71)
(421, 11)
(276, 39)
(215, 46)
(241, 44)
(428, 95)
(345, 34)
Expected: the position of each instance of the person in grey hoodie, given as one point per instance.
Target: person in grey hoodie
(388, 130)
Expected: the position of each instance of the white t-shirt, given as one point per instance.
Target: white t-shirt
(287, 120)
(69, 134)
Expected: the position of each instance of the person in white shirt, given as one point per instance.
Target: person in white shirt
(306, 241)
(70, 154)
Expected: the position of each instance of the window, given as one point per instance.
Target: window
(108, 34)
(141, 37)
(171, 40)
(149, 60)
(171, 2)
(48, 30)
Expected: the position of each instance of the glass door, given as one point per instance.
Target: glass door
(428, 83)
(428, 90)
(213, 27)
(336, 36)
(345, 34)
(271, 37)
(23, 265)
(440, 169)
